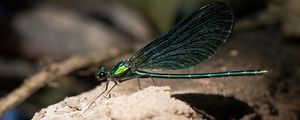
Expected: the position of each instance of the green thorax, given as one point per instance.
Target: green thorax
(122, 69)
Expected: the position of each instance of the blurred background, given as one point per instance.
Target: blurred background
(36, 33)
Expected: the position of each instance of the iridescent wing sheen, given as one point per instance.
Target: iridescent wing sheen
(190, 42)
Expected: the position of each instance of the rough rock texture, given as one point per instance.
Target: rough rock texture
(152, 103)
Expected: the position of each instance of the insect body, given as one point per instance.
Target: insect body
(190, 42)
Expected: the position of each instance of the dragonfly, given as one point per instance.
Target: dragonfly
(190, 42)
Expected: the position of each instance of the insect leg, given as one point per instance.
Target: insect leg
(139, 83)
(153, 81)
(112, 87)
(106, 86)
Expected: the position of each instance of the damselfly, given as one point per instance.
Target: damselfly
(191, 41)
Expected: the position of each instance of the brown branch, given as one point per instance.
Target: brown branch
(35, 82)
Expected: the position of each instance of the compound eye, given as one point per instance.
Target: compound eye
(101, 76)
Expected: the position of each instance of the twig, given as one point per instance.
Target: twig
(35, 82)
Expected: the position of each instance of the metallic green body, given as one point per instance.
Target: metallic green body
(122, 70)
(201, 75)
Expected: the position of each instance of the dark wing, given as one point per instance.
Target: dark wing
(190, 42)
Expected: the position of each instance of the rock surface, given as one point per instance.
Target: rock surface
(152, 103)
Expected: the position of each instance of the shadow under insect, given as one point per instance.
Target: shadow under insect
(217, 106)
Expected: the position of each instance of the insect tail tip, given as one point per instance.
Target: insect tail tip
(264, 71)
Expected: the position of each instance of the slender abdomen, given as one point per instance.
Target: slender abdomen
(202, 75)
